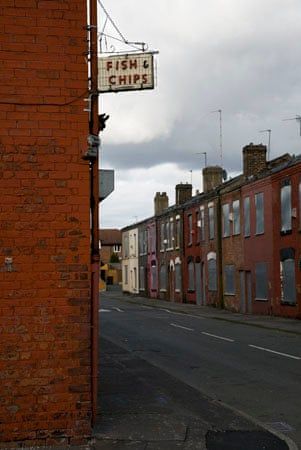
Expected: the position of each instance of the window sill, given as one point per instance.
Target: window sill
(246, 236)
(163, 290)
(285, 232)
(177, 291)
(261, 299)
(191, 291)
(288, 304)
(230, 293)
(259, 234)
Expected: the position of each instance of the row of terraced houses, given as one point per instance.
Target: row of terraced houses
(236, 245)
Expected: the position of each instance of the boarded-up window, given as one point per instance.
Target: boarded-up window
(202, 224)
(178, 233)
(226, 220)
(247, 227)
(153, 276)
(236, 217)
(286, 206)
(259, 211)
(141, 278)
(211, 222)
(189, 229)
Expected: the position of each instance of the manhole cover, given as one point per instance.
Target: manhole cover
(246, 440)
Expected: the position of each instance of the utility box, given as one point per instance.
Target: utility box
(106, 183)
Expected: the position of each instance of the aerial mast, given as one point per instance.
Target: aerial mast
(219, 111)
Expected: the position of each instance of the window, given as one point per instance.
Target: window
(226, 220)
(236, 217)
(162, 235)
(178, 233)
(153, 275)
(126, 246)
(261, 281)
(178, 277)
(172, 237)
(288, 281)
(198, 226)
(189, 229)
(191, 276)
(126, 274)
(286, 206)
(212, 275)
(259, 209)
(202, 223)
(211, 222)
(117, 248)
(247, 227)
(229, 287)
(163, 277)
(141, 278)
(167, 235)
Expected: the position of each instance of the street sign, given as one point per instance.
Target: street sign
(126, 72)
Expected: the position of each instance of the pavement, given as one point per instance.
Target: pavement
(268, 322)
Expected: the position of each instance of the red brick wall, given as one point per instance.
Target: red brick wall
(44, 224)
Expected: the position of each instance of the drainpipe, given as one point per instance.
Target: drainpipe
(94, 199)
(220, 252)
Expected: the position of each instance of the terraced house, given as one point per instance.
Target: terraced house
(236, 245)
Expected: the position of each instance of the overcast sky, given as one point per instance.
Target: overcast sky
(240, 56)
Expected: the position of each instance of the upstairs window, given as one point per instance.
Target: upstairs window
(162, 235)
(236, 217)
(126, 246)
(190, 229)
(117, 248)
(300, 204)
(226, 220)
(167, 233)
(259, 212)
(172, 237)
(211, 222)
(202, 224)
(247, 224)
(286, 206)
(178, 233)
(198, 224)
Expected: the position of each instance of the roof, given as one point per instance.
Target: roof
(110, 236)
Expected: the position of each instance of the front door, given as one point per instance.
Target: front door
(249, 291)
(242, 292)
(198, 281)
(171, 284)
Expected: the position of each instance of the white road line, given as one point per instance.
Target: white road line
(273, 351)
(147, 307)
(166, 310)
(104, 310)
(118, 309)
(218, 337)
(180, 326)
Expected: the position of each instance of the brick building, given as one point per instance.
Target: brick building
(45, 319)
(110, 244)
(237, 244)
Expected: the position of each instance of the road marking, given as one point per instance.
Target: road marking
(273, 351)
(104, 310)
(218, 337)
(180, 326)
(118, 309)
(147, 307)
(166, 310)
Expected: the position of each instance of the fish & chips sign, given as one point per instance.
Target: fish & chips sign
(127, 72)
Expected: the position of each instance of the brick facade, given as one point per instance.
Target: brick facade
(45, 363)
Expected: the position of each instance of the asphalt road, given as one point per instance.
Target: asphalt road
(254, 370)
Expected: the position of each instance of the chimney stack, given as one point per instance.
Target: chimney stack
(212, 177)
(183, 193)
(160, 202)
(254, 159)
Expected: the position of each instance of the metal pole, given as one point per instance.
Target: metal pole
(93, 129)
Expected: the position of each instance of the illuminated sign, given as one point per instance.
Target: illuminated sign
(126, 72)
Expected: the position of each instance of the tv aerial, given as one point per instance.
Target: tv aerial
(297, 118)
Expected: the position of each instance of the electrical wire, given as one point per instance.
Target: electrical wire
(112, 21)
(45, 104)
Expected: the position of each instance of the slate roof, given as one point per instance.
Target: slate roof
(110, 236)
